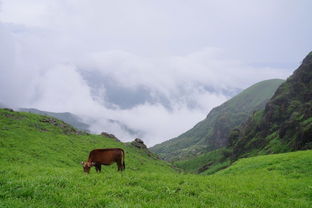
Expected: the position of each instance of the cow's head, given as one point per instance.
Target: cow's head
(86, 166)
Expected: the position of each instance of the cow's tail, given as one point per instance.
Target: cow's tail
(123, 160)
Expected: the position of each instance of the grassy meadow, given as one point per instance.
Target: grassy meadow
(40, 167)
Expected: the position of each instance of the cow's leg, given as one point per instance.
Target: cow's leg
(123, 165)
(119, 165)
(98, 167)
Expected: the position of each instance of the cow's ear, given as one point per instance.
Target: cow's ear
(82, 163)
(93, 163)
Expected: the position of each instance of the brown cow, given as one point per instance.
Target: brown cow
(98, 157)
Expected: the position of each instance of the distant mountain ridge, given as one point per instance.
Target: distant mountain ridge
(212, 133)
(77, 122)
(67, 117)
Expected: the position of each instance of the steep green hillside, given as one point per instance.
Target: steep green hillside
(286, 122)
(40, 167)
(284, 125)
(212, 133)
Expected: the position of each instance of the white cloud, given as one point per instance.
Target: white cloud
(62, 89)
(182, 80)
(207, 67)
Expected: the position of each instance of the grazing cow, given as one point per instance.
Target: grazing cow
(98, 157)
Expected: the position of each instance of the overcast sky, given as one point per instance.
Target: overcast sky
(156, 66)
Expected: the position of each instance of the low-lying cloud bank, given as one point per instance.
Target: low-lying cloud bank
(178, 91)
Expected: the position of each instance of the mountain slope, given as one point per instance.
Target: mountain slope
(284, 125)
(40, 167)
(213, 131)
(286, 122)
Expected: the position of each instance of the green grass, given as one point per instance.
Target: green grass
(293, 165)
(40, 167)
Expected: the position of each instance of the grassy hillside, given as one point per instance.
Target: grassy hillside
(293, 164)
(212, 133)
(40, 167)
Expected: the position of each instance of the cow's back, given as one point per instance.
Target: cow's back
(106, 156)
